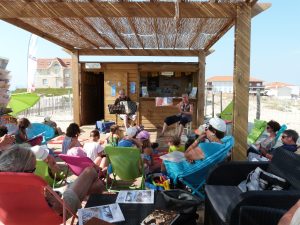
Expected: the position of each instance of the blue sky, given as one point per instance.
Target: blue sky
(275, 48)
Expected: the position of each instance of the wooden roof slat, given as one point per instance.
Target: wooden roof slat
(132, 26)
(75, 32)
(14, 9)
(155, 30)
(23, 25)
(116, 32)
(139, 52)
(107, 41)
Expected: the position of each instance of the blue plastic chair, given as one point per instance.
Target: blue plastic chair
(194, 175)
(36, 129)
(279, 133)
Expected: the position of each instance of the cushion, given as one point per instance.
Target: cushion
(221, 197)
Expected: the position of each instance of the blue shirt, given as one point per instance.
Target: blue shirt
(125, 143)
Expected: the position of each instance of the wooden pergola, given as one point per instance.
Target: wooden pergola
(146, 28)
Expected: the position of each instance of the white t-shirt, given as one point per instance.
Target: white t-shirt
(92, 149)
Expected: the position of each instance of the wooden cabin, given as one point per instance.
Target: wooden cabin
(142, 28)
(100, 86)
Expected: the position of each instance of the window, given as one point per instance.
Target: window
(56, 68)
(45, 82)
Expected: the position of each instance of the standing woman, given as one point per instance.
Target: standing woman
(71, 138)
(21, 135)
(183, 117)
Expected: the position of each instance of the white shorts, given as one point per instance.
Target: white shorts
(131, 116)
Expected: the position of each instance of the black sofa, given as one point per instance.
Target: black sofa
(225, 204)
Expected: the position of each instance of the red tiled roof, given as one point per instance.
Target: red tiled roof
(45, 63)
(277, 85)
(229, 79)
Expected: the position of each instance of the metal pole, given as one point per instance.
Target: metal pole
(213, 104)
(221, 103)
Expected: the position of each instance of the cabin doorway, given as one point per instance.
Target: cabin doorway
(92, 97)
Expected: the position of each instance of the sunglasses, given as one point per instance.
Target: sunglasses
(268, 127)
(284, 136)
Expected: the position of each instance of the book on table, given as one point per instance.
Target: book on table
(136, 197)
(110, 213)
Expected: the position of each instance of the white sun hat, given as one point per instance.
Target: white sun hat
(218, 124)
(41, 151)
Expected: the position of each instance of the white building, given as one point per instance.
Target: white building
(282, 90)
(53, 73)
(225, 84)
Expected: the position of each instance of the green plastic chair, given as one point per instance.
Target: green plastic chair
(227, 113)
(257, 130)
(42, 170)
(127, 165)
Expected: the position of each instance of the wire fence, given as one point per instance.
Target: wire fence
(50, 106)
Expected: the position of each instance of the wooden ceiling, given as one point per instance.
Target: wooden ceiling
(142, 28)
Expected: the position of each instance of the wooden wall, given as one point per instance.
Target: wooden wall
(123, 73)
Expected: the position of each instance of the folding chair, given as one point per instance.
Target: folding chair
(77, 164)
(22, 200)
(127, 165)
(257, 130)
(194, 175)
(36, 129)
(42, 170)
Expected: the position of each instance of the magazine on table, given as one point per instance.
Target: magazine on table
(175, 156)
(110, 213)
(136, 196)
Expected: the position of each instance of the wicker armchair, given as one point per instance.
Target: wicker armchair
(225, 203)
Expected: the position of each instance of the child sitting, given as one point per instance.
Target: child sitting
(94, 150)
(174, 144)
(129, 140)
(144, 138)
(114, 136)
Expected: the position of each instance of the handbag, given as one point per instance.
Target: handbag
(259, 179)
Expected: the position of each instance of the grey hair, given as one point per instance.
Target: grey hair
(17, 159)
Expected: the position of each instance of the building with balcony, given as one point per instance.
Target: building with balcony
(225, 84)
(53, 73)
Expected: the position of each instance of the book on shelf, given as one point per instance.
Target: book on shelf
(110, 213)
(136, 197)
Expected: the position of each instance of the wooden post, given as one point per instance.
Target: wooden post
(75, 85)
(201, 88)
(258, 104)
(241, 80)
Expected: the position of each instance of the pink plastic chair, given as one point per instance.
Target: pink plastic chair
(77, 164)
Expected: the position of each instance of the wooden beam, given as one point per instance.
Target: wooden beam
(220, 34)
(25, 26)
(201, 88)
(76, 33)
(75, 87)
(135, 32)
(116, 32)
(241, 80)
(139, 52)
(34, 9)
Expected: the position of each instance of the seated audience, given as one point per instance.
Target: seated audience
(6, 140)
(94, 150)
(130, 139)
(265, 145)
(114, 135)
(291, 217)
(183, 117)
(175, 144)
(21, 135)
(21, 159)
(52, 124)
(71, 138)
(125, 117)
(289, 139)
(213, 132)
(42, 153)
